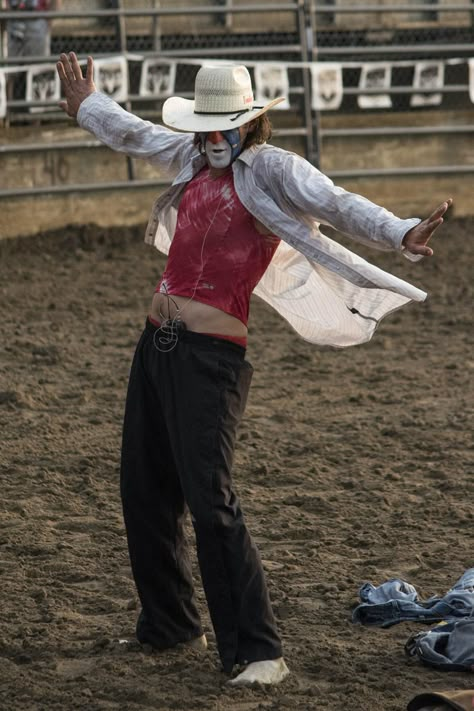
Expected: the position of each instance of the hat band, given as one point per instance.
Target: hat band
(226, 113)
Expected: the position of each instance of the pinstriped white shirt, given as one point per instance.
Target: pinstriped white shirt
(328, 294)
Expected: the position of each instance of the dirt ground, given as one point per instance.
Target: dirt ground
(352, 465)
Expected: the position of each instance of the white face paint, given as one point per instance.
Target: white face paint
(218, 154)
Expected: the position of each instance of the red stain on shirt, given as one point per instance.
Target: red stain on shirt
(217, 255)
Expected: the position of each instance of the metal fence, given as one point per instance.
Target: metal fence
(297, 33)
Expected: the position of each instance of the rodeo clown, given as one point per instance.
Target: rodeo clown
(241, 217)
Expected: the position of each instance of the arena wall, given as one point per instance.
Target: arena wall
(405, 195)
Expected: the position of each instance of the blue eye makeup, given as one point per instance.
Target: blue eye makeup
(232, 137)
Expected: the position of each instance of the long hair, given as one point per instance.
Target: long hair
(261, 133)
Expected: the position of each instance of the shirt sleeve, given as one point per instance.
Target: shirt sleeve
(315, 195)
(124, 132)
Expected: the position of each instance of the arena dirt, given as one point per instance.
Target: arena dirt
(352, 465)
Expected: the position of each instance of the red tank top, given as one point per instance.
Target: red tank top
(217, 255)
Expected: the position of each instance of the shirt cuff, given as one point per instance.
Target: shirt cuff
(410, 256)
(86, 108)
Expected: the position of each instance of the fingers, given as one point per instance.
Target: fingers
(61, 72)
(428, 232)
(422, 250)
(76, 69)
(434, 221)
(69, 69)
(440, 210)
(90, 70)
(76, 87)
(66, 65)
(434, 224)
(416, 240)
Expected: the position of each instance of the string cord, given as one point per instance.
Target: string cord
(168, 330)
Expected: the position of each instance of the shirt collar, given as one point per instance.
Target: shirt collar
(248, 155)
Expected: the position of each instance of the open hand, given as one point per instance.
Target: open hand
(416, 240)
(75, 87)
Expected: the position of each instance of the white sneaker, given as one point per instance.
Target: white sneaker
(270, 671)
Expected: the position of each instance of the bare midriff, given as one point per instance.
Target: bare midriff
(197, 316)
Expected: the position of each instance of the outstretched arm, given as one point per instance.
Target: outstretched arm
(120, 130)
(75, 87)
(316, 195)
(416, 240)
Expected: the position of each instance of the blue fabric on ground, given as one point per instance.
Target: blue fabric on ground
(397, 601)
(449, 646)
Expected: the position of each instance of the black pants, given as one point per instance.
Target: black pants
(183, 408)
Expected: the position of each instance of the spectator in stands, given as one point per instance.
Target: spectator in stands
(30, 37)
(231, 222)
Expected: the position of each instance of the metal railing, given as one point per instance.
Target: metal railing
(305, 43)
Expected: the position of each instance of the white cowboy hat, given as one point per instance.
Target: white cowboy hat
(223, 100)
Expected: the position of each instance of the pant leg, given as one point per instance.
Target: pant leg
(205, 395)
(154, 513)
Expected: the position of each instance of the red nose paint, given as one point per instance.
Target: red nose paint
(215, 137)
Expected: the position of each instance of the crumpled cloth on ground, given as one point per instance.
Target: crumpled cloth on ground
(448, 646)
(460, 700)
(397, 601)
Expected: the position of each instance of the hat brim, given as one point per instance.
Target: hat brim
(179, 113)
(441, 697)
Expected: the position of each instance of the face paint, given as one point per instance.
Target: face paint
(222, 152)
(219, 155)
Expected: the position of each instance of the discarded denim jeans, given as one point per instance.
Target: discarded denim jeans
(449, 646)
(391, 590)
(397, 601)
